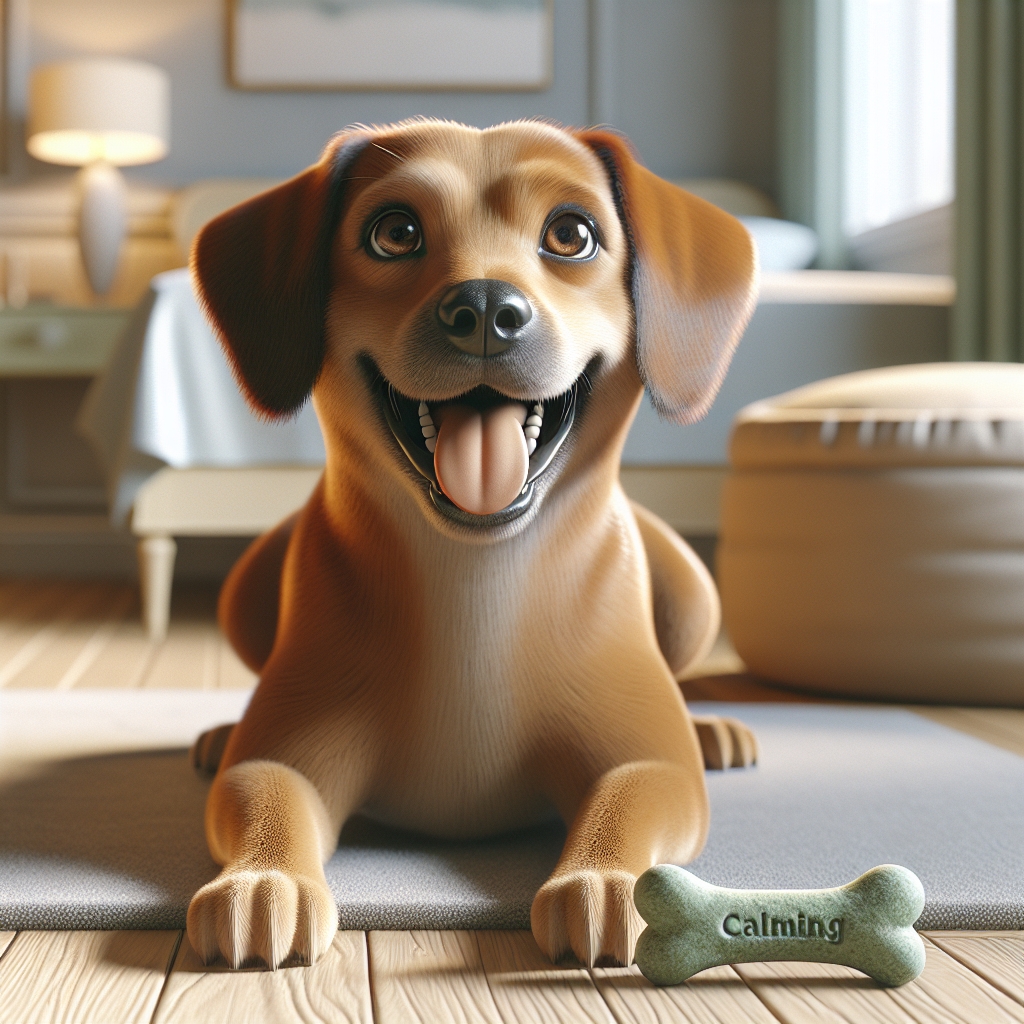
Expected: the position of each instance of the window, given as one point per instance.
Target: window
(898, 103)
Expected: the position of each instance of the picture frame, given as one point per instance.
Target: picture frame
(390, 45)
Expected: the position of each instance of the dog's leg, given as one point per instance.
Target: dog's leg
(208, 749)
(632, 817)
(247, 611)
(687, 612)
(687, 616)
(270, 828)
(726, 742)
(249, 599)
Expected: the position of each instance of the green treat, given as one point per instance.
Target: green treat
(866, 924)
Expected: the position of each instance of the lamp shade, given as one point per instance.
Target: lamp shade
(91, 109)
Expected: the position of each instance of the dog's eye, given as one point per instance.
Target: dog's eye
(395, 234)
(571, 237)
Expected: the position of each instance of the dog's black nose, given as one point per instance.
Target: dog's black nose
(483, 317)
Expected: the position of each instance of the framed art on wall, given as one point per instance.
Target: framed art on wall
(469, 45)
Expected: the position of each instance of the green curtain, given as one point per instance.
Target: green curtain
(988, 319)
(810, 122)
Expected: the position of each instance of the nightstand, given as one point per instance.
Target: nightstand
(52, 491)
(55, 341)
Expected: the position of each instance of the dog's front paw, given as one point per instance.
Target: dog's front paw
(208, 749)
(247, 914)
(589, 913)
(726, 742)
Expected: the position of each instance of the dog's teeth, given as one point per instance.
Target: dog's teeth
(531, 445)
(539, 409)
(532, 432)
(428, 428)
(533, 421)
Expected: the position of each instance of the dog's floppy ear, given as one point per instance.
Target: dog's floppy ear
(262, 272)
(693, 276)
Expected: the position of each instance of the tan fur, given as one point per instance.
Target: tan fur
(456, 681)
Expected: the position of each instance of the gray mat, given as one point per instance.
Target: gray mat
(95, 839)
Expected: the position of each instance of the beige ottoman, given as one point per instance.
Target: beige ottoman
(872, 535)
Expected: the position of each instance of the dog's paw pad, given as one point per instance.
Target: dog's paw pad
(725, 742)
(208, 749)
(246, 915)
(589, 914)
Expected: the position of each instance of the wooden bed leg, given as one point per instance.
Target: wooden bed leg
(156, 554)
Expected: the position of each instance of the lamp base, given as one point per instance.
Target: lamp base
(102, 220)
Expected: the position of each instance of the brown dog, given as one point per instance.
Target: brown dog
(463, 631)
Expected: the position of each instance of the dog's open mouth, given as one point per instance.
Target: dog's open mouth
(482, 451)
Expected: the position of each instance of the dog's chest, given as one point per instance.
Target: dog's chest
(458, 763)
(470, 694)
(506, 642)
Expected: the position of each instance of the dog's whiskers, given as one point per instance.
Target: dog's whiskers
(377, 145)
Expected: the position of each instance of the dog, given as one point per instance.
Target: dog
(468, 627)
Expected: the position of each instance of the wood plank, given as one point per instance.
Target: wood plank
(6, 938)
(231, 673)
(186, 660)
(124, 662)
(335, 989)
(84, 976)
(721, 675)
(800, 993)
(429, 976)
(946, 993)
(1007, 722)
(13, 594)
(123, 603)
(28, 626)
(1002, 727)
(528, 988)
(715, 996)
(190, 656)
(78, 638)
(997, 956)
(45, 657)
(948, 987)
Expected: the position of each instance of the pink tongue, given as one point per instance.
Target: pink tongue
(480, 458)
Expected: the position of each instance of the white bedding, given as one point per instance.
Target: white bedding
(168, 398)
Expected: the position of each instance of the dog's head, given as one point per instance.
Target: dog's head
(475, 310)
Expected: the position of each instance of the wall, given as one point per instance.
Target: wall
(690, 81)
(784, 347)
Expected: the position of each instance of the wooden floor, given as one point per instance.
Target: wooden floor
(64, 636)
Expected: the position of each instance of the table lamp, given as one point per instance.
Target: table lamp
(99, 114)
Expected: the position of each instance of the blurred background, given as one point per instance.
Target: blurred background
(829, 125)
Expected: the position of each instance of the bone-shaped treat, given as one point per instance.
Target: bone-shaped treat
(692, 925)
